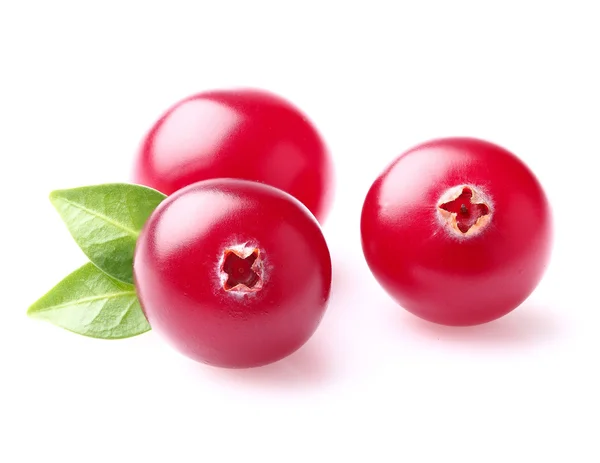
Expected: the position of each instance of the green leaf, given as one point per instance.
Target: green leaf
(105, 221)
(91, 303)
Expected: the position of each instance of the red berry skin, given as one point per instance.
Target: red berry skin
(233, 273)
(246, 134)
(457, 230)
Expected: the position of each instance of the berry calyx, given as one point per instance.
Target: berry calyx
(241, 269)
(465, 210)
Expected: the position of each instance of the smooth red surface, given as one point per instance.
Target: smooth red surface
(429, 269)
(247, 134)
(186, 245)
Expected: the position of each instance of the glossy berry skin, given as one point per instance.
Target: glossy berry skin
(234, 273)
(457, 230)
(246, 134)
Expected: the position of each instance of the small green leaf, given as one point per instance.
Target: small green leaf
(105, 221)
(91, 303)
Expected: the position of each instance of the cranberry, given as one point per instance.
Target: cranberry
(234, 273)
(246, 134)
(457, 230)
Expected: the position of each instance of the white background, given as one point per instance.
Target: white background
(80, 84)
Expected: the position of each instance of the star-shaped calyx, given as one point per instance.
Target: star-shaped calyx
(241, 270)
(465, 210)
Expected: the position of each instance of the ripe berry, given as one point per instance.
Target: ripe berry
(457, 230)
(245, 134)
(234, 273)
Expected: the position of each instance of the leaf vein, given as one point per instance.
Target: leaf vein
(88, 299)
(130, 231)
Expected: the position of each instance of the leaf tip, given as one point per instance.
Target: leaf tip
(32, 310)
(55, 195)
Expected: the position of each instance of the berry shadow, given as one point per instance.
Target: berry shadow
(308, 367)
(527, 325)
